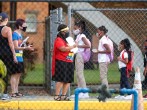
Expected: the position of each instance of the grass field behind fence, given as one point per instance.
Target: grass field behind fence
(37, 76)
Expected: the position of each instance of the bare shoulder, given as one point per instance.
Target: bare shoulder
(6, 30)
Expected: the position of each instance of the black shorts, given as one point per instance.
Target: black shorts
(64, 71)
(18, 68)
(9, 63)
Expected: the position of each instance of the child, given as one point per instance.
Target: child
(123, 59)
(145, 68)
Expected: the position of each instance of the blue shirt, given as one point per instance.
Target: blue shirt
(19, 53)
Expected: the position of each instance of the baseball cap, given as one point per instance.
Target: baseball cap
(3, 16)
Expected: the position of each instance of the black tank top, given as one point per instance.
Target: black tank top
(4, 45)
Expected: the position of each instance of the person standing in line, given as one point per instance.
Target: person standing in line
(62, 63)
(82, 43)
(103, 51)
(144, 84)
(123, 60)
(7, 52)
(20, 25)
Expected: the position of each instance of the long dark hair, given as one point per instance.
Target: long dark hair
(127, 46)
(81, 24)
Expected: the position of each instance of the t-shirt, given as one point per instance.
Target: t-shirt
(80, 42)
(145, 59)
(101, 56)
(19, 53)
(64, 56)
(121, 64)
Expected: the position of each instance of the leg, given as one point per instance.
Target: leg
(18, 75)
(65, 88)
(103, 73)
(79, 63)
(13, 83)
(59, 85)
(64, 92)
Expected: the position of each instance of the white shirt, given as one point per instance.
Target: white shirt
(80, 42)
(121, 64)
(103, 57)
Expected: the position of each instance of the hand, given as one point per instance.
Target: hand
(119, 58)
(94, 50)
(30, 47)
(15, 59)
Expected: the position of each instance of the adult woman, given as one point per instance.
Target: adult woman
(62, 63)
(19, 67)
(79, 62)
(7, 52)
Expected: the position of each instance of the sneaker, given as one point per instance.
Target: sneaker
(119, 97)
(85, 95)
(128, 97)
(5, 97)
(80, 95)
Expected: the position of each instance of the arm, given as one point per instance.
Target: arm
(107, 51)
(68, 48)
(124, 61)
(145, 70)
(15, 42)
(9, 35)
(86, 44)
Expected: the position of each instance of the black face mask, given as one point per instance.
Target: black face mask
(145, 47)
(24, 29)
(66, 35)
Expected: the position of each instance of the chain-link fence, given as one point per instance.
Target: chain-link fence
(121, 23)
(42, 20)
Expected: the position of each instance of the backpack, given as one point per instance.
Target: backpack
(3, 69)
(129, 65)
(110, 55)
(86, 53)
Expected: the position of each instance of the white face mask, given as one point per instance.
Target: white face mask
(76, 32)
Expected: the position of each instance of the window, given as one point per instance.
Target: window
(31, 20)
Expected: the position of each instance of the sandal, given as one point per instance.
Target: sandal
(65, 98)
(15, 95)
(20, 94)
(57, 97)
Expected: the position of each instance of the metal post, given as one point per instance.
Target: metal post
(69, 19)
(60, 15)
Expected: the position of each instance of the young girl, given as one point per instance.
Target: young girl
(123, 59)
(82, 43)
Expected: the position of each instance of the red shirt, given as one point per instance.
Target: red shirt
(64, 56)
(59, 55)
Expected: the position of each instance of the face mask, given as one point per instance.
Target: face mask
(24, 29)
(145, 47)
(66, 34)
(76, 32)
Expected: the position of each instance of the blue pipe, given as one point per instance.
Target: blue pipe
(124, 91)
(77, 91)
(135, 93)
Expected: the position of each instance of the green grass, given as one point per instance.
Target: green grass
(92, 76)
(37, 76)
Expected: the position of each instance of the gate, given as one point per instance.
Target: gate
(52, 23)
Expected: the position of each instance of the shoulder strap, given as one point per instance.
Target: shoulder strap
(123, 55)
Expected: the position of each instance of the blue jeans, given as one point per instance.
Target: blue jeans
(124, 83)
